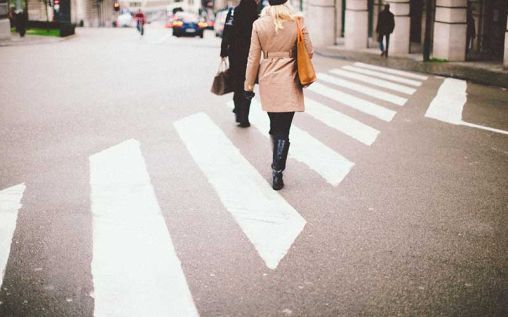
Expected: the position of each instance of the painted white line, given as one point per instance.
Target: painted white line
(383, 75)
(472, 125)
(135, 269)
(10, 203)
(268, 221)
(372, 92)
(332, 166)
(391, 71)
(341, 122)
(353, 102)
(449, 103)
(373, 81)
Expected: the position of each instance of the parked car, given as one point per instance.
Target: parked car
(125, 19)
(188, 24)
(220, 19)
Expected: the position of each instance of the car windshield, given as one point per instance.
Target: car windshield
(187, 17)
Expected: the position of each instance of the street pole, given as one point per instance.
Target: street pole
(428, 25)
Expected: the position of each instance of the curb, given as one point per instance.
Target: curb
(35, 40)
(449, 69)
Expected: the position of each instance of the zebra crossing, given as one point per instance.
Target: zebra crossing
(133, 248)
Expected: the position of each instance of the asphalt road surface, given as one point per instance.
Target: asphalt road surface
(126, 189)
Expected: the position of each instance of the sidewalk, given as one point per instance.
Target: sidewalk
(487, 73)
(16, 40)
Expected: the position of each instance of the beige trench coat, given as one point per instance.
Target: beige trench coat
(279, 88)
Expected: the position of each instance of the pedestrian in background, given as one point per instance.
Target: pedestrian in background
(21, 18)
(470, 31)
(235, 45)
(12, 16)
(140, 21)
(385, 26)
(274, 36)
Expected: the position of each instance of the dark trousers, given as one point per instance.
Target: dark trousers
(280, 123)
(242, 107)
(380, 40)
(239, 100)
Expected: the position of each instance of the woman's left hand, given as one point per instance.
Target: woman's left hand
(248, 94)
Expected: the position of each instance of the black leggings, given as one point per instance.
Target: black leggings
(280, 123)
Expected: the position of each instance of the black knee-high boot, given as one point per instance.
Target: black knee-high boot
(280, 155)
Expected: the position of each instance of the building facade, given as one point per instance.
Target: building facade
(353, 22)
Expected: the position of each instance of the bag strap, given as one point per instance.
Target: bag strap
(299, 32)
(223, 65)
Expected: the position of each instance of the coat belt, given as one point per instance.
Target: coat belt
(271, 55)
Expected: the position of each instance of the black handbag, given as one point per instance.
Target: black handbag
(222, 82)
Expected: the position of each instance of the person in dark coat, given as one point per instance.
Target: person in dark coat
(385, 26)
(21, 21)
(470, 31)
(235, 45)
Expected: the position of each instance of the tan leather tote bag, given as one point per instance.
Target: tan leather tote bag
(306, 73)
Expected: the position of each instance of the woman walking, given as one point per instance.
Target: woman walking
(274, 36)
(235, 45)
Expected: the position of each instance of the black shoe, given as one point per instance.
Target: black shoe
(280, 155)
(244, 124)
(277, 182)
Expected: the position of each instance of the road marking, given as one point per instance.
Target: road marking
(391, 71)
(449, 101)
(341, 122)
(372, 92)
(448, 104)
(382, 75)
(268, 221)
(353, 102)
(332, 166)
(10, 203)
(135, 269)
(374, 81)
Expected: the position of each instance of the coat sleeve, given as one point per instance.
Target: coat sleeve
(392, 23)
(308, 42)
(253, 60)
(226, 35)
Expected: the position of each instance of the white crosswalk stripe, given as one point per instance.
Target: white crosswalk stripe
(373, 81)
(391, 71)
(372, 92)
(383, 75)
(135, 269)
(268, 221)
(332, 166)
(340, 122)
(10, 203)
(353, 102)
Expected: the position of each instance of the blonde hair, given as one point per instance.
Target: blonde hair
(280, 13)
